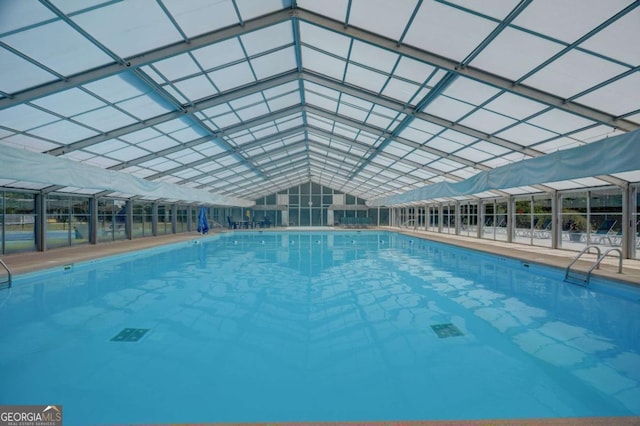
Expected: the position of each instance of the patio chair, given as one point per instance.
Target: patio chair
(603, 231)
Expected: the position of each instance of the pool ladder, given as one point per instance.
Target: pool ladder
(6, 283)
(581, 277)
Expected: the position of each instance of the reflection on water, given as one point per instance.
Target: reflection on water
(317, 326)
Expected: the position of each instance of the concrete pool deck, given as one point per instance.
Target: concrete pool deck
(21, 263)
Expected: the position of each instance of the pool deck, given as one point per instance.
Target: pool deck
(21, 263)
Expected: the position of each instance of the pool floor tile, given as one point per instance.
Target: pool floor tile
(446, 330)
(130, 335)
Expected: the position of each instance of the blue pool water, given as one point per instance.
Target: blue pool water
(347, 326)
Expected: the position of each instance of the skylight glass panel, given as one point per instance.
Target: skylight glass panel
(264, 132)
(232, 76)
(323, 39)
(498, 9)
(487, 121)
(158, 144)
(144, 107)
(389, 174)
(396, 15)
(175, 94)
(196, 88)
(618, 98)
(594, 133)
(514, 106)
(217, 110)
(435, 22)
(118, 87)
(368, 138)
(448, 108)
(560, 121)
(372, 56)
(285, 101)
(186, 174)
(274, 63)
(549, 17)
(129, 28)
(253, 9)
(24, 141)
(174, 125)
(219, 54)
(514, 53)
(267, 38)
(399, 166)
(444, 145)
(320, 124)
(185, 156)
(106, 146)
(69, 102)
(381, 117)
(128, 153)
(607, 42)
(525, 134)
(322, 63)
(198, 17)
(400, 90)
(176, 67)
(23, 14)
(458, 137)
(422, 174)
(421, 157)
(105, 119)
(381, 161)
(557, 144)
(473, 154)
(351, 111)
(365, 78)
(239, 138)
(188, 134)
(397, 149)
(467, 90)
(253, 111)
(17, 74)
(573, 73)
(58, 47)
(445, 165)
(490, 148)
(160, 164)
(64, 132)
(347, 132)
(209, 149)
(320, 101)
(633, 176)
(23, 117)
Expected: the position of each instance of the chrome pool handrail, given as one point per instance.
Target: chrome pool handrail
(8, 273)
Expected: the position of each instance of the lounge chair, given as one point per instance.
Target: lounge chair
(603, 231)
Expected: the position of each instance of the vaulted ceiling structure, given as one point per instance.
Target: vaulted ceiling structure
(243, 98)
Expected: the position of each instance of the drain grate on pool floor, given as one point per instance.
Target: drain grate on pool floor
(446, 330)
(130, 335)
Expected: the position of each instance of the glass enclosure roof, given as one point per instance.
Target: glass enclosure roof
(244, 98)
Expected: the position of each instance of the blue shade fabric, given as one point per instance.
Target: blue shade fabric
(28, 166)
(616, 154)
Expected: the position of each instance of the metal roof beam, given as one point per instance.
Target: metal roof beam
(401, 108)
(215, 100)
(145, 58)
(470, 72)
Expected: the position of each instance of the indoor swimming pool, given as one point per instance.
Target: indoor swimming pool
(317, 326)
